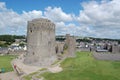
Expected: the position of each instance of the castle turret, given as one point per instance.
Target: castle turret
(40, 42)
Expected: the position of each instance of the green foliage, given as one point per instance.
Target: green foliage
(43, 69)
(83, 40)
(5, 62)
(10, 38)
(22, 44)
(7, 38)
(85, 67)
(89, 39)
(5, 44)
(60, 39)
(118, 41)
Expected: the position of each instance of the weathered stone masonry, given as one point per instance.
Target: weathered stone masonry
(40, 42)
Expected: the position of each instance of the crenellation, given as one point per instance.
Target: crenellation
(42, 26)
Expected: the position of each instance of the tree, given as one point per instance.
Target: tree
(22, 44)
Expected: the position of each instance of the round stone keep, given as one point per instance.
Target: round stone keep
(40, 42)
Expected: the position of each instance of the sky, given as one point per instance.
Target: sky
(90, 18)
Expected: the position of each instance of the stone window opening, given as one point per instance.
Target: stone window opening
(33, 53)
(31, 31)
(56, 49)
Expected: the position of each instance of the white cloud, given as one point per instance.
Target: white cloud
(103, 17)
(71, 28)
(2, 6)
(56, 14)
(98, 19)
(14, 22)
(31, 14)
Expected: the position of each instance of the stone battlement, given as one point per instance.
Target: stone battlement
(41, 24)
(41, 20)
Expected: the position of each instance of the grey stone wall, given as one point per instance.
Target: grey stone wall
(40, 42)
(70, 43)
(115, 49)
(59, 47)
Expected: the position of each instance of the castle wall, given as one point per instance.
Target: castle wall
(71, 44)
(115, 49)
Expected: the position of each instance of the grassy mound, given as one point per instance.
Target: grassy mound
(85, 67)
(5, 62)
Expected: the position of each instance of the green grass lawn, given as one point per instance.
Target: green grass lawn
(85, 67)
(5, 62)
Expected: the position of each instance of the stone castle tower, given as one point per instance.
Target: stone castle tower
(70, 43)
(40, 42)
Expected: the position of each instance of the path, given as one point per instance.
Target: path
(27, 69)
(9, 76)
(53, 69)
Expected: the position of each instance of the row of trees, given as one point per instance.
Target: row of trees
(88, 40)
(6, 40)
(10, 38)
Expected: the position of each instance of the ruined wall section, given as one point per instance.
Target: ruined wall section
(70, 43)
(115, 49)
